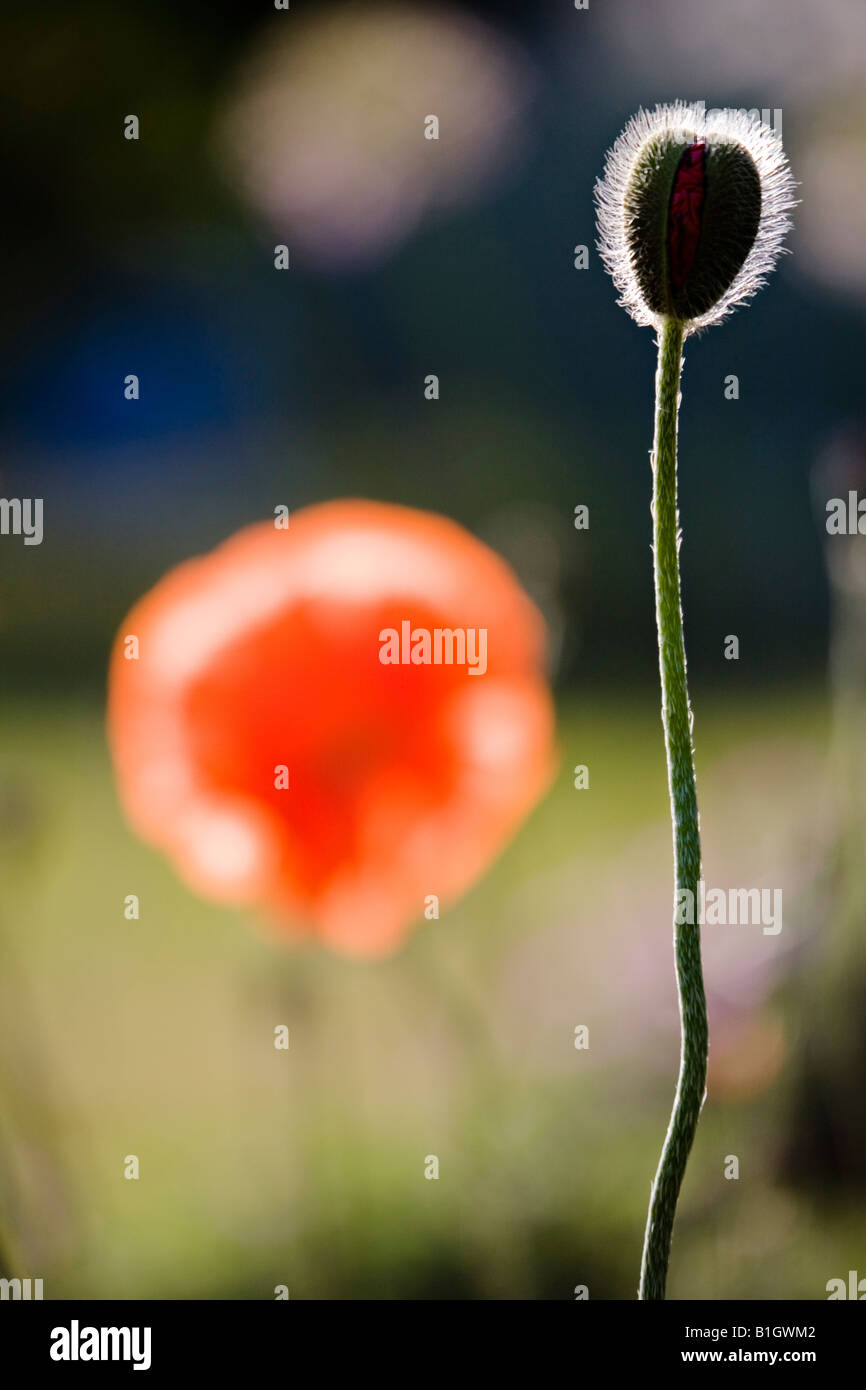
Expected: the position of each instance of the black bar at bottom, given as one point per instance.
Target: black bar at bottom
(159, 1339)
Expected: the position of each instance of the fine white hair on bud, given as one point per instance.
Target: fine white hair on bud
(693, 207)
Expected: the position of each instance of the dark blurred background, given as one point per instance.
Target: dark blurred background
(259, 387)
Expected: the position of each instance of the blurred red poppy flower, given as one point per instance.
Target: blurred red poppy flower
(335, 721)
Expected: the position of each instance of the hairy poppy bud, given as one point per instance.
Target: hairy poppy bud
(692, 212)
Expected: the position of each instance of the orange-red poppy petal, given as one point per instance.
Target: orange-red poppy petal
(404, 781)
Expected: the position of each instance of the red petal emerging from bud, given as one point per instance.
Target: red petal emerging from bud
(684, 218)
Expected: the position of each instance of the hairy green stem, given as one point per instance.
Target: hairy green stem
(677, 722)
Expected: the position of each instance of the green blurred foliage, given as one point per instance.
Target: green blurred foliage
(262, 1167)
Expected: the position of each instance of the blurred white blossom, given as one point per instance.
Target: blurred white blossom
(325, 130)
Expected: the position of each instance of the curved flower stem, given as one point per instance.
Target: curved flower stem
(677, 721)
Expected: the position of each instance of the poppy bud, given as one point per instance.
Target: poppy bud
(692, 212)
